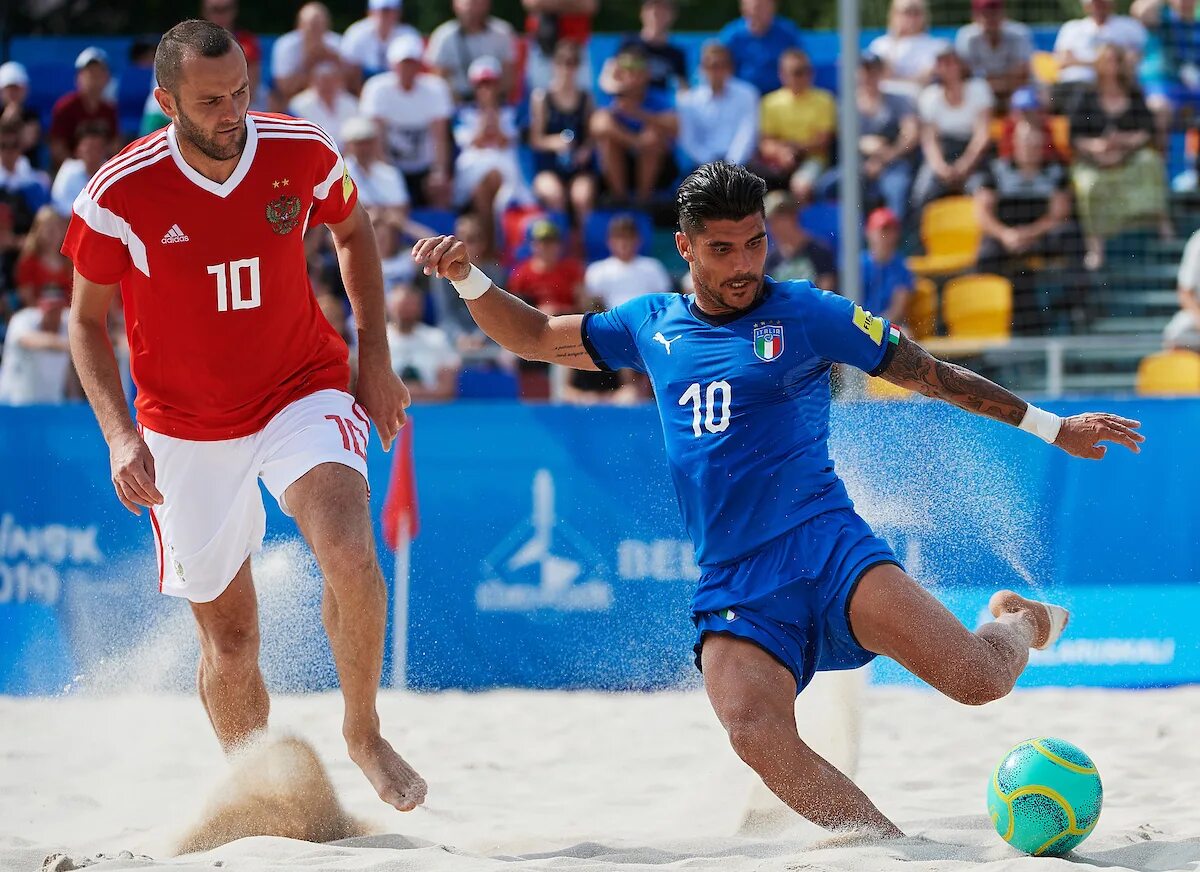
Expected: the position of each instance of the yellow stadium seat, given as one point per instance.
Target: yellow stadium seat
(978, 307)
(1060, 135)
(1045, 67)
(922, 309)
(1169, 373)
(881, 389)
(950, 231)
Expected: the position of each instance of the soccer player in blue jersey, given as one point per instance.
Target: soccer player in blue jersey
(792, 580)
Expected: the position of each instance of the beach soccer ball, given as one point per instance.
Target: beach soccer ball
(1045, 796)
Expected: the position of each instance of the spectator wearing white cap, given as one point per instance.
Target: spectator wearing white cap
(14, 91)
(381, 186)
(365, 42)
(85, 105)
(414, 110)
(473, 33)
(297, 52)
(487, 172)
(326, 102)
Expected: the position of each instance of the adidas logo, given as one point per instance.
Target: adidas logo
(174, 235)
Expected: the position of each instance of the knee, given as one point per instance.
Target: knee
(983, 685)
(230, 648)
(348, 553)
(753, 733)
(603, 124)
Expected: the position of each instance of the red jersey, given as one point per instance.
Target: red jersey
(70, 113)
(33, 273)
(555, 287)
(223, 327)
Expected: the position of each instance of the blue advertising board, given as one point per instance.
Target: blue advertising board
(551, 553)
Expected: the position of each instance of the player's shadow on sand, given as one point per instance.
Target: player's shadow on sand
(1148, 855)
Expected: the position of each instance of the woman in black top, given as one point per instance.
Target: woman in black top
(1119, 178)
(558, 135)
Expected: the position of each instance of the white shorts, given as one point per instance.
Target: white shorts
(212, 517)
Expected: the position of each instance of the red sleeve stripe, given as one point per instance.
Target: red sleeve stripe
(296, 127)
(128, 169)
(124, 159)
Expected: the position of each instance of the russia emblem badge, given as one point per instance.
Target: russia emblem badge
(768, 341)
(283, 214)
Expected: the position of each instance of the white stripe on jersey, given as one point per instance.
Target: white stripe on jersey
(269, 132)
(109, 223)
(125, 159)
(147, 160)
(294, 124)
(321, 191)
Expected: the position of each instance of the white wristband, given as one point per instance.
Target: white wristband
(474, 286)
(1045, 425)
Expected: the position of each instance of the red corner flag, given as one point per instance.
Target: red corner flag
(400, 504)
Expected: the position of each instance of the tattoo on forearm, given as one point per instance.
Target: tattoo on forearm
(914, 368)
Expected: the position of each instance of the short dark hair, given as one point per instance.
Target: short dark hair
(195, 36)
(718, 191)
(623, 225)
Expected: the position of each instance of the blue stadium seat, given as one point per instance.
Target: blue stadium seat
(821, 220)
(132, 90)
(440, 221)
(479, 383)
(595, 232)
(47, 82)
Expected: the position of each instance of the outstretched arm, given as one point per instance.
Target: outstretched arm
(511, 322)
(915, 368)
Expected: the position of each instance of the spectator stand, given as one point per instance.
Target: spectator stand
(1134, 299)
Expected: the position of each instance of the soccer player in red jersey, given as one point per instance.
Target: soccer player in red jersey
(200, 227)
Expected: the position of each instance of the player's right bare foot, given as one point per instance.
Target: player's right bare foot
(1049, 620)
(397, 783)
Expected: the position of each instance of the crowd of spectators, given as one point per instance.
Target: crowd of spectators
(500, 133)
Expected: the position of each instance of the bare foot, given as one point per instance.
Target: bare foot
(397, 783)
(1049, 620)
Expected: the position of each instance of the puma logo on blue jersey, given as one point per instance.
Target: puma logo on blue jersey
(658, 337)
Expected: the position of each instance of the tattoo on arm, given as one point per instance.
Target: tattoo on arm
(916, 369)
(569, 352)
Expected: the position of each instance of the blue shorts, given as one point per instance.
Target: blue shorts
(808, 575)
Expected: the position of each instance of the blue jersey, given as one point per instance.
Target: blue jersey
(744, 402)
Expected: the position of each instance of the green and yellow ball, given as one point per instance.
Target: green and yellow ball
(1045, 796)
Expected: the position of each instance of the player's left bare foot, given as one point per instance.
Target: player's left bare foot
(1049, 620)
(397, 783)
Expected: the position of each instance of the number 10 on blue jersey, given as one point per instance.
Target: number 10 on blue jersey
(714, 402)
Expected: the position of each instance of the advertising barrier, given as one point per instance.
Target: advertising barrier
(551, 554)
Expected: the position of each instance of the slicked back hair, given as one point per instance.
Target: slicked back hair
(194, 36)
(718, 191)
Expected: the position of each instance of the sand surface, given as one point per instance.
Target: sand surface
(583, 781)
